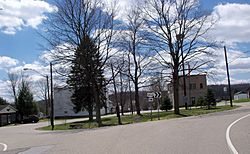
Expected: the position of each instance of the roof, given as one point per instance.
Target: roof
(240, 93)
(3, 107)
(192, 75)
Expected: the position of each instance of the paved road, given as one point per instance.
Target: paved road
(204, 134)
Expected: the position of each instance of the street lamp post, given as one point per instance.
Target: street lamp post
(47, 84)
(51, 94)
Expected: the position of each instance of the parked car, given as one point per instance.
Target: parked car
(30, 119)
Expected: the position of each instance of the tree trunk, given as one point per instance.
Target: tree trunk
(137, 103)
(121, 94)
(130, 99)
(116, 98)
(176, 90)
(98, 105)
(91, 113)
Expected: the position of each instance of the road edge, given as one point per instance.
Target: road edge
(229, 142)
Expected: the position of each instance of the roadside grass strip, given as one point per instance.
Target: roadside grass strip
(244, 100)
(130, 119)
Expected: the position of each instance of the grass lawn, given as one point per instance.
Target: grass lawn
(242, 100)
(129, 119)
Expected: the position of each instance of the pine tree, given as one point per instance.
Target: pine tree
(86, 78)
(210, 99)
(25, 102)
(166, 104)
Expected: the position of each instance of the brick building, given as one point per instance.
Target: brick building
(196, 86)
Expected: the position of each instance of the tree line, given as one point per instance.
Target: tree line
(105, 52)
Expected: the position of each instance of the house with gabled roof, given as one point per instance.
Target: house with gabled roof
(240, 95)
(8, 114)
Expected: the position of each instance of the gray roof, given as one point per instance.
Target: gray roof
(241, 92)
(4, 106)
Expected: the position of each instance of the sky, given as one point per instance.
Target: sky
(20, 43)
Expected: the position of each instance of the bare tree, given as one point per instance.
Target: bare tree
(114, 74)
(14, 82)
(134, 44)
(123, 83)
(179, 29)
(74, 21)
(43, 93)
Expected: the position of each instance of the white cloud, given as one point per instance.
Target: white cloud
(233, 24)
(16, 14)
(5, 91)
(239, 67)
(6, 62)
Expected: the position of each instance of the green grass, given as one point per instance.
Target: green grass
(129, 119)
(242, 100)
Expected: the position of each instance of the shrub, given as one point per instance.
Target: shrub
(210, 100)
(200, 102)
(166, 104)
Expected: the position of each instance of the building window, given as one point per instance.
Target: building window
(192, 86)
(201, 86)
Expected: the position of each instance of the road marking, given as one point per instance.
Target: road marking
(4, 146)
(229, 142)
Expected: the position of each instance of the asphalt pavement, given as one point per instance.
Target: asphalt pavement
(204, 134)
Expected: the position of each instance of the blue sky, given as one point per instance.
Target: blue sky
(20, 43)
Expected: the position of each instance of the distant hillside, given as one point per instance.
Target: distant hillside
(219, 90)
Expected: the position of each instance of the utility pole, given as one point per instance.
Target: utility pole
(51, 99)
(47, 84)
(228, 78)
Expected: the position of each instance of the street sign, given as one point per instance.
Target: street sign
(150, 99)
(157, 95)
(150, 95)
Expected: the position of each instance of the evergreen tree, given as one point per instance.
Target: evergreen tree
(166, 104)
(86, 78)
(210, 99)
(25, 102)
(3, 101)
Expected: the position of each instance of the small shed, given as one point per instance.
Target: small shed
(240, 95)
(7, 115)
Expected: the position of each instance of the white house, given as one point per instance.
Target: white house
(63, 106)
(240, 95)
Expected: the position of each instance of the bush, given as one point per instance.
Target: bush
(210, 100)
(200, 102)
(166, 104)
